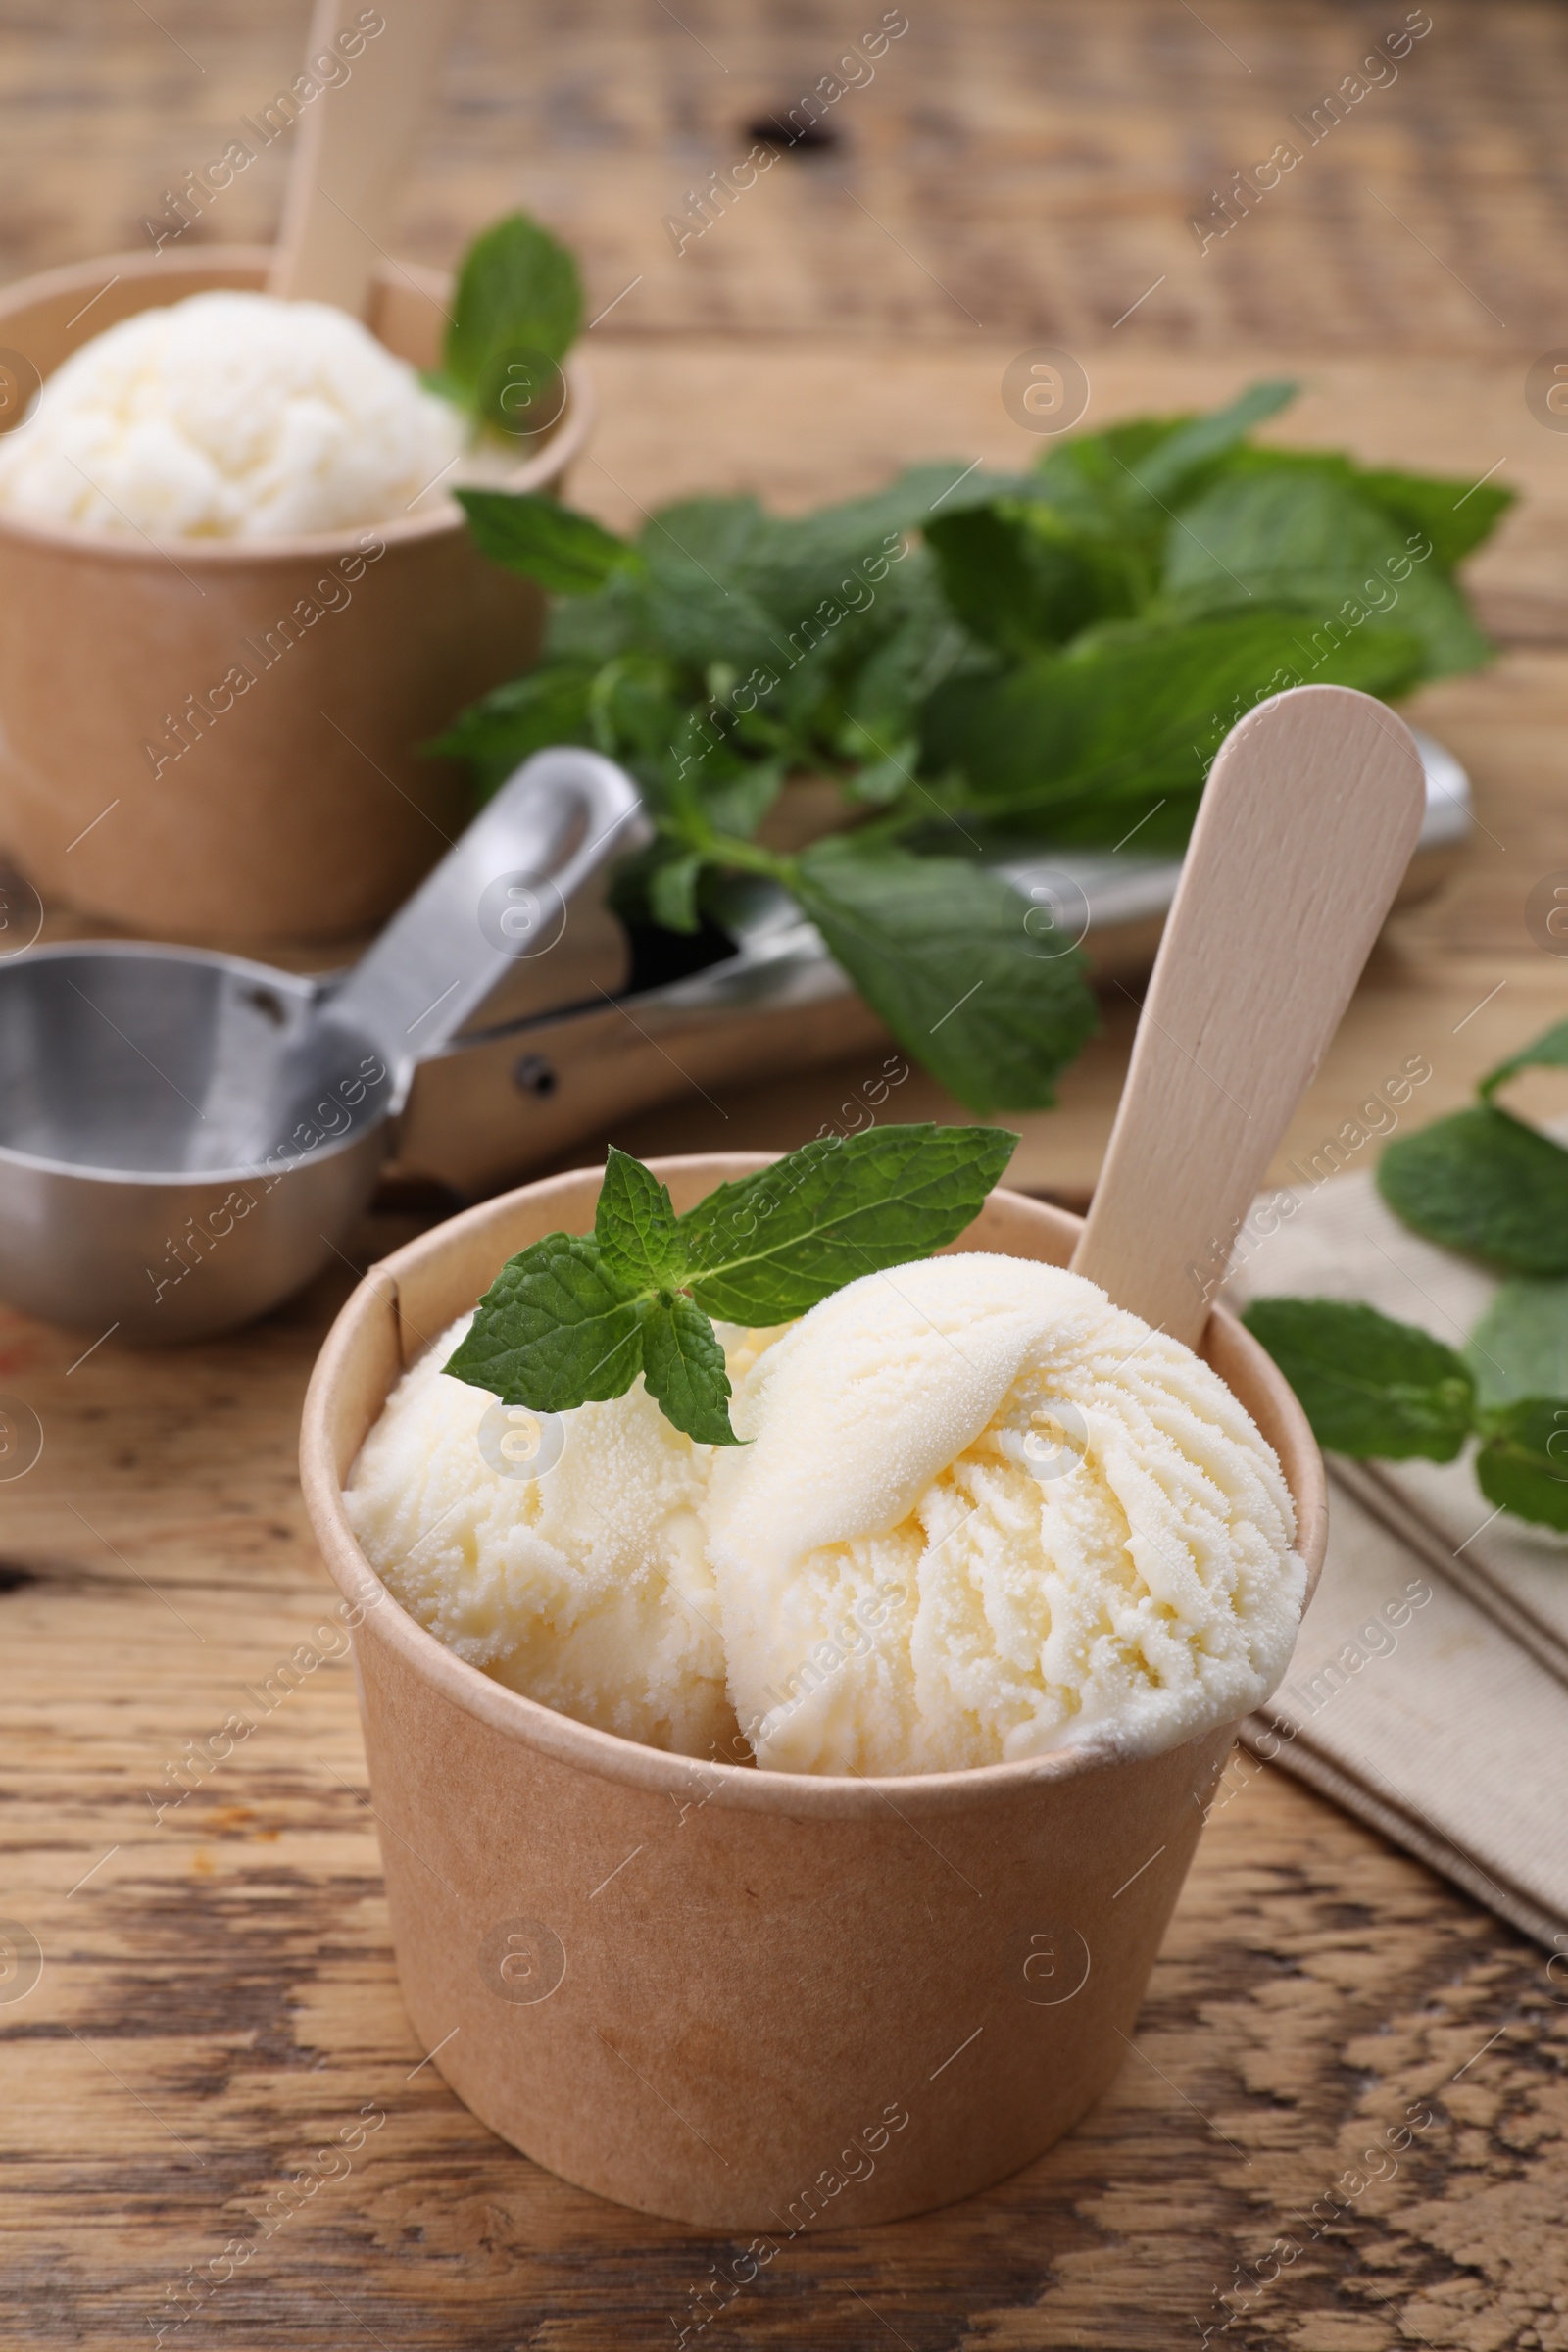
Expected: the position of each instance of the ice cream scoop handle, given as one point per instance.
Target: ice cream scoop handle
(501, 894)
(1308, 823)
(371, 70)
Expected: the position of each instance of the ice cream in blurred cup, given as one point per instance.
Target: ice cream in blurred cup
(238, 594)
(859, 1762)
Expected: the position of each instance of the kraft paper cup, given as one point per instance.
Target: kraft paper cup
(746, 2000)
(140, 779)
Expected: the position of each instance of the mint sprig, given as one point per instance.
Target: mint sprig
(1368, 1384)
(573, 1319)
(1375, 1389)
(1484, 1183)
(984, 664)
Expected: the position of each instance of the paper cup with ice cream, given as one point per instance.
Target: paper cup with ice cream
(780, 1834)
(238, 599)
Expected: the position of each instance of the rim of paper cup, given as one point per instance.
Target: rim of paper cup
(563, 446)
(607, 1754)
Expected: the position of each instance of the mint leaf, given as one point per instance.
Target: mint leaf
(768, 1248)
(697, 617)
(1547, 1051)
(1094, 483)
(684, 1365)
(604, 626)
(796, 562)
(908, 646)
(566, 552)
(528, 714)
(1366, 1384)
(1017, 585)
(1523, 1464)
(634, 1226)
(1084, 741)
(723, 534)
(736, 801)
(1519, 1348)
(573, 1319)
(1455, 515)
(671, 891)
(554, 1329)
(1298, 535)
(1483, 1182)
(1168, 470)
(518, 291)
(938, 948)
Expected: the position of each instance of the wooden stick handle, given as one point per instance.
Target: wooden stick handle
(352, 141)
(1308, 823)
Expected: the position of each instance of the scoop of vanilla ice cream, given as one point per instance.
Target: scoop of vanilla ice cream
(230, 415)
(986, 1513)
(588, 1588)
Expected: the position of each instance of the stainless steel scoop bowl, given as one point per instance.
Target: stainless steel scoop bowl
(186, 1136)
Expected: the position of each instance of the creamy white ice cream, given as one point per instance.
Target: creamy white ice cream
(982, 1513)
(230, 415)
(588, 1588)
(986, 1513)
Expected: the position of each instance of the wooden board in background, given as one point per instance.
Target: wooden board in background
(1021, 168)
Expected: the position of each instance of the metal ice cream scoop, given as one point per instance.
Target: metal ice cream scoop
(185, 1136)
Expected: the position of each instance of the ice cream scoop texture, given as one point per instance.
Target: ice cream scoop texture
(1077, 1530)
(588, 1588)
(981, 1513)
(230, 415)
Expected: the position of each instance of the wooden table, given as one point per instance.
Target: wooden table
(218, 1993)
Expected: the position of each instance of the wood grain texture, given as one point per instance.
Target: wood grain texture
(218, 1997)
(1023, 168)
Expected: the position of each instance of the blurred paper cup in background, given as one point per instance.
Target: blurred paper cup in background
(748, 2001)
(218, 738)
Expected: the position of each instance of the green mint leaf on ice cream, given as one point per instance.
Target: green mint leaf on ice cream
(573, 1319)
(636, 1229)
(556, 1310)
(769, 1247)
(684, 1365)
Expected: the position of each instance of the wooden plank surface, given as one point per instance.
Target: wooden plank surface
(1018, 168)
(218, 1996)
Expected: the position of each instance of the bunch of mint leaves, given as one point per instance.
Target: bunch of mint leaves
(573, 1319)
(515, 313)
(1490, 1185)
(986, 665)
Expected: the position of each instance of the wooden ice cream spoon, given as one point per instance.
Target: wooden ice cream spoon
(352, 145)
(1307, 826)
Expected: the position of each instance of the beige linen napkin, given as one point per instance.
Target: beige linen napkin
(1429, 1690)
